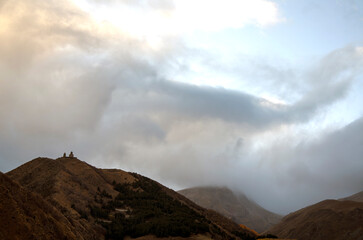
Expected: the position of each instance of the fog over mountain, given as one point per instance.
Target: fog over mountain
(261, 103)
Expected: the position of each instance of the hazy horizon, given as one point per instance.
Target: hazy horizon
(262, 96)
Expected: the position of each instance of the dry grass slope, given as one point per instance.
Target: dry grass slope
(25, 215)
(79, 190)
(329, 219)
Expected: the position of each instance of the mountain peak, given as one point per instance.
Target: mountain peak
(100, 201)
(235, 206)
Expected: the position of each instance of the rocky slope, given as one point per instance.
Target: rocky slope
(236, 207)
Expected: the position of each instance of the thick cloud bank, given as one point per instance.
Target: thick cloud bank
(70, 82)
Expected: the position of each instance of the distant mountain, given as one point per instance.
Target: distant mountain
(110, 203)
(329, 219)
(358, 197)
(25, 215)
(236, 207)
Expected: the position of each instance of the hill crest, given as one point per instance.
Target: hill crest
(95, 200)
(358, 197)
(328, 219)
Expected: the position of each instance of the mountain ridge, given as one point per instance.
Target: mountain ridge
(328, 219)
(357, 197)
(99, 201)
(235, 206)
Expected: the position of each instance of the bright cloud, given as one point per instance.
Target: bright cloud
(183, 16)
(214, 15)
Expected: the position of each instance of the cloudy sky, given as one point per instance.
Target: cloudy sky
(263, 96)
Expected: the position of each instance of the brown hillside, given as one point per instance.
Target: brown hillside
(65, 182)
(358, 197)
(236, 207)
(25, 215)
(329, 219)
(87, 197)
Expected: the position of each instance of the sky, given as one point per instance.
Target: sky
(261, 96)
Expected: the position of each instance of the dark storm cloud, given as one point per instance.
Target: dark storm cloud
(68, 84)
(183, 101)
